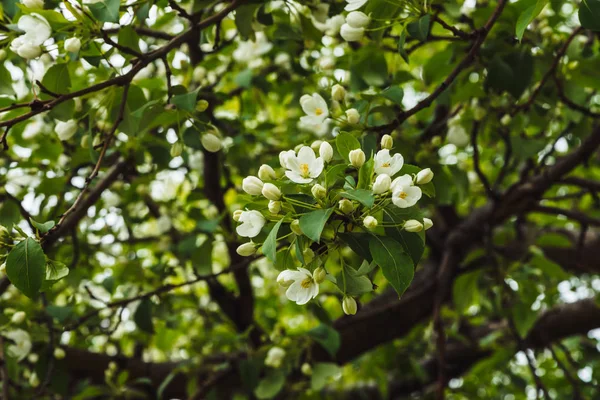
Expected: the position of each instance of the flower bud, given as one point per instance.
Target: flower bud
(252, 185)
(246, 249)
(33, 358)
(202, 105)
(351, 34)
(387, 142)
(72, 45)
(274, 207)
(457, 136)
(275, 357)
(338, 93)
(266, 172)
(318, 191)
(33, 3)
(2, 54)
(211, 142)
(176, 149)
(237, 214)
(316, 145)
(319, 275)
(18, 317)
(306, 369)
(506, 119)
(295, 227)
(66, 130)
(34, 381)
(326, 151)
(427, 223)
(353, 116)
(199, 73)
(308, 254)
(357, 158)
(412, 225)
(346, 206)
(424, 176)
(436, 141)
(382, 184)
(29, 50)
(370, 222)
(283, 157)
(59, 353)
(271, 192)
(358, 19)
(349, 305)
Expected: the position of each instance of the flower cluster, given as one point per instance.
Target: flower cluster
(321, 200)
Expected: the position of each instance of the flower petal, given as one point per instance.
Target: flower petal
(296, 177)
(306, 155)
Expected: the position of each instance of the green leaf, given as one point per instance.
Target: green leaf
(322, 372)
(56, 270)
(129, 38)
(202, 257)
(589, 14)
(511, 73)
(42, 228)
(106, 10)
(26, 267)
(359, 243)
(186, 101)
(270, 385)
(393, 93)
(269, 247)
(465, 291)
(312, 224)
(57, 79)
(327, 337)
(345, 142)
(352, 283)
(401, 50)
(363, 196)
(60, 313)
(524, 318)
(143, 316)
(244, 15)
(5, 81)
(250, 372)
(534, 8)
(412, 242)
(365, 174)
(420, 28)
(395, 263)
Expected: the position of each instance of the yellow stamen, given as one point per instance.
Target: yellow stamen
(304, 170)
(385, 165)
(318, 111)
(306, 283)
(403, 195)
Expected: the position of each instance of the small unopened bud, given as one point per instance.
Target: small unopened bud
(266, 172)
(2, 54)
(72, 45)
(316, 145)
(252, 185)
(387, 142)
(382, 184)
(412, 225)
(237, 214)
(176, 149)
(34, 381)
(424, 176)
(211, 142)
(308, 255)
(202, 105)
(318, 191)
(370, 222)
(506, 119)
(338, 93)
(358, 19)
(427, 223)
(319, 275)
(349, 305)
(326, 151)
(274, 207)
(18, 317)
(59, 353)
(246, 249)
(346, 206)
(357, 158)
(306, 369)
(295, 227)
(353, 116)
(271, 192)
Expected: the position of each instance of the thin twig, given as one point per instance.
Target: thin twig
(476, 165)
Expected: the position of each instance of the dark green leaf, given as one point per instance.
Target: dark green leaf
(269, 247)
(312, 224)
(26, 267)
(106, 10)
(143, 316)
(346, 142)
(187, 101)
(322, 372)
(465, 291)
(42, 228)
(363, 196)
(244, 15)
(270, 385)
(420, 28)
(395, 263)
(534, 8)
(359, 243)
(394, 93)
(5, 81)
(327, 337)
(589, 14)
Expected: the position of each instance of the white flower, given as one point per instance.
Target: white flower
(412, 225)
(315, 125)
(22, 345)
(252, 185)
(305, 167)
(72, 45)
(353, 116)
(357, 158)
(271, 192)
(457, 135)
(427, 223)
(246, 249)
(382, 184)
(211, 142)
(354, 4)
(424, 176)
(314, 106)
(283, 156)
(37, 31)
(33, 3)
(334, 24)
(252, 223)
(386, 164)
(266, 172)
(301, 285)
(326, 151)
(358, 19)
(275, 357)
(351, 34)
(404, 194)
(66, 130)
(250, 50)
(370, 222)
(349, 305)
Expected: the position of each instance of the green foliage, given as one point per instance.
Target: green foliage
(26, 267)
